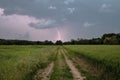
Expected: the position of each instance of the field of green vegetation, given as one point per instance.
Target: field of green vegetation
(21, 62)
(33, 62)
(105, 58)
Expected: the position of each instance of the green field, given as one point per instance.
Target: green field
(21, 62)
(106, 58)
(24, 62)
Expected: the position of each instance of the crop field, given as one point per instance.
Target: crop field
(69, 62)
(104, 59)
(21, 62)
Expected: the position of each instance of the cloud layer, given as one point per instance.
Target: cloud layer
(18, 27)
(36, 19)
(43, 24)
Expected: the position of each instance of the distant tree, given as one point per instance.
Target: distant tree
(59, 42)
(39, 43)
(83, 41)
(67, 43)
(96, 41)
(46, 42)
(73, 42)
(111, 38)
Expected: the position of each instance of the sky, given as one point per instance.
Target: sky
(58, 19)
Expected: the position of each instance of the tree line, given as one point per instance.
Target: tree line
(24, 42)
(109, 38)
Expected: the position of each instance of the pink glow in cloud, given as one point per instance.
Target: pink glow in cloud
(17, 27)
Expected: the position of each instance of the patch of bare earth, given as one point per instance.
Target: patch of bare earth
(76, 74)
(45, 73)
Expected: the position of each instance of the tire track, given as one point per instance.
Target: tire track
(45, 74)
(76, 74)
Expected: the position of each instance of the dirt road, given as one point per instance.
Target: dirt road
(76, 74)
(59, 69)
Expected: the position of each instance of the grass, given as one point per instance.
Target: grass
(21, 62)
(106, 58)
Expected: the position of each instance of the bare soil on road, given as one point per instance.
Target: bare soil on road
(45, 73)
(59, 69)
(76, 74)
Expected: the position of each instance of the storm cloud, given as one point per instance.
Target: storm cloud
(74, 18)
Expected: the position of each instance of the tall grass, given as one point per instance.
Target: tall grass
(21, 62)
(104, 57)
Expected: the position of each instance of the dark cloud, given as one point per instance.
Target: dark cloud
(87, 17)
(44, 24)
